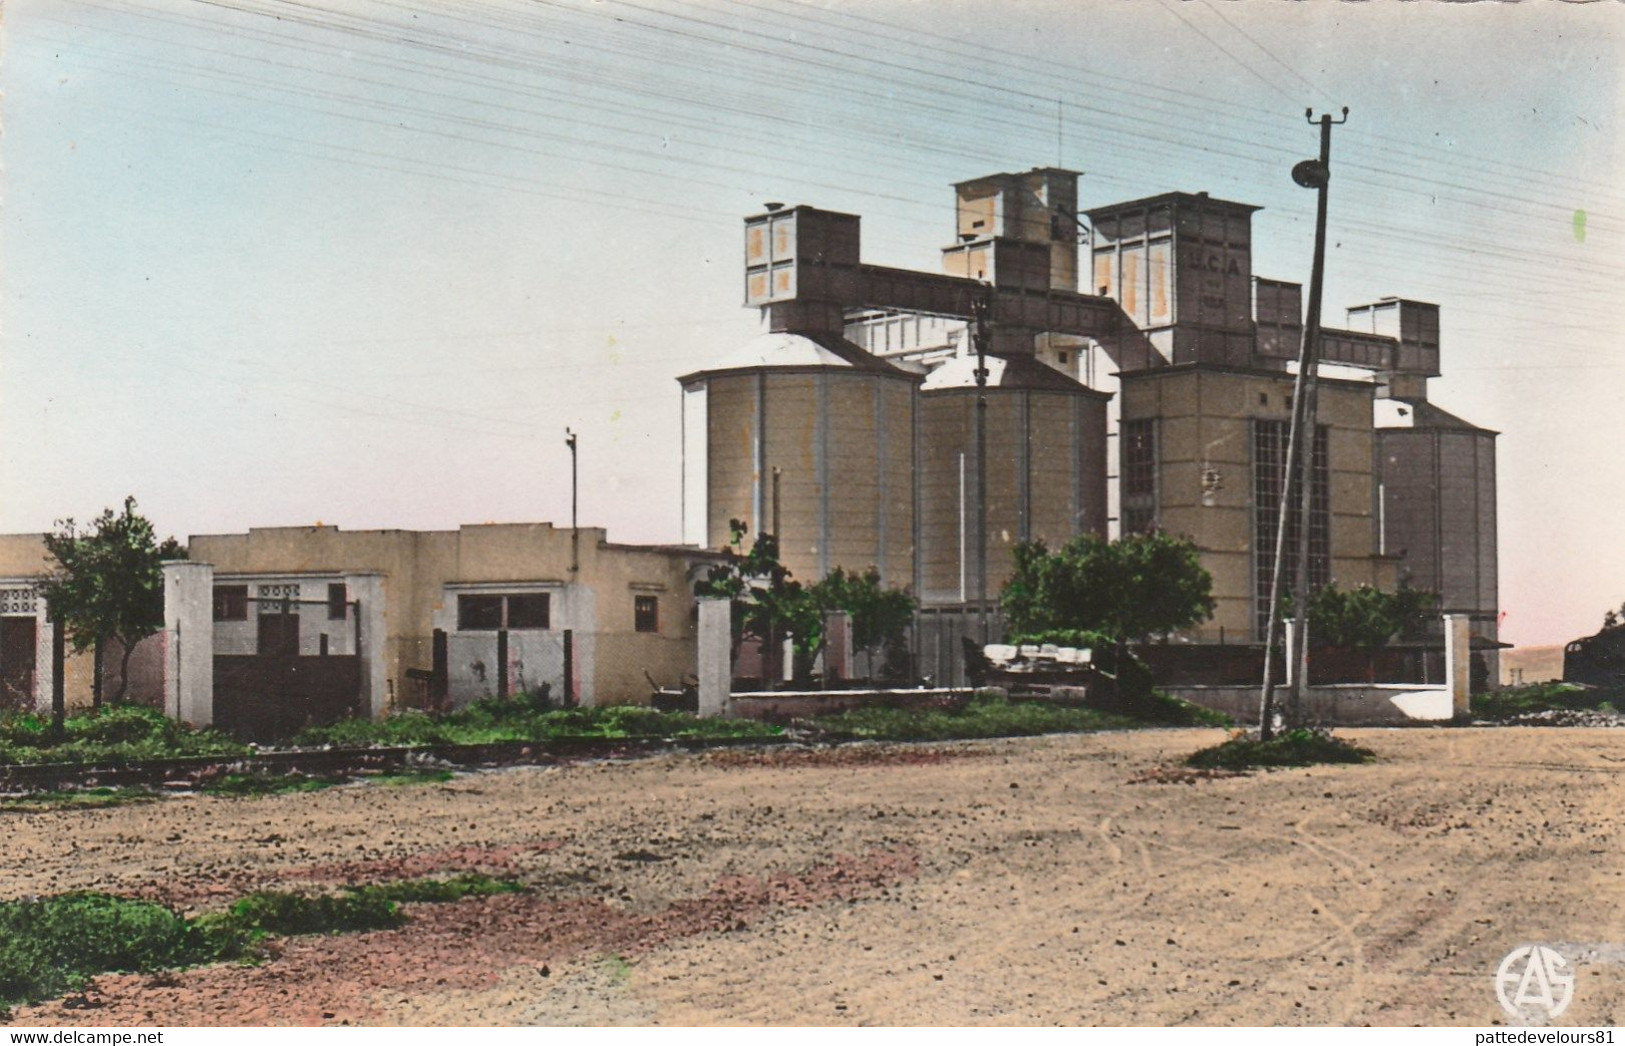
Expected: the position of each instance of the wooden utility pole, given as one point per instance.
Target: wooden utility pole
(983, 306)
(1300, 464)
(575, 533)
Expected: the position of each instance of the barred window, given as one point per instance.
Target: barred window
(646, 613)
(1270, 439)
(1139, 483)
(338, 601)
(531, 610)
(479, 612)
(231, 602)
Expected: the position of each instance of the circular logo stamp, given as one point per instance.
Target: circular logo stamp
(1534, 982)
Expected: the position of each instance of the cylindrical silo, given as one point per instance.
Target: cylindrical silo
(812, 429)
(1045, 475)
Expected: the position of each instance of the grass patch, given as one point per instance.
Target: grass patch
(617, 968)
(407, 778)
(297, 914)
(267, 784)
(52, 946)
(1513, 702)
(523, 718)
(282, 784)
(77, 799)
(1162, 709)
(987, 714)
(984, 715)
(438, 891)
(113, 735)
(1291, 748)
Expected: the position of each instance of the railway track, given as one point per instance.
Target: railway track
(344, 761)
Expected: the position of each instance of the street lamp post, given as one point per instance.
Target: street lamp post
(1300, 463)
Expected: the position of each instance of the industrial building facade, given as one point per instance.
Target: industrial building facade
(1157, 396)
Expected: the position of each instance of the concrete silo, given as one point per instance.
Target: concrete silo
(807, 435)
(1045, 475)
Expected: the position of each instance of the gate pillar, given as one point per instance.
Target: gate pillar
(368, 592)
(715, 655)
(189, 642)
(1458, 662)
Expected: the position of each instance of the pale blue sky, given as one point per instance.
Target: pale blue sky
(362, 261)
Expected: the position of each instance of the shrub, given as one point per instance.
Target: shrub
(51, 946)
(1292, 748)
(1511, 702)
(493, 720)
(289, 914)
(112, 735)
(984, 715)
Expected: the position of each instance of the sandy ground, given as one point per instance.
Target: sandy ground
(1032, 881)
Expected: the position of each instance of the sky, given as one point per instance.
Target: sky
(275, 262)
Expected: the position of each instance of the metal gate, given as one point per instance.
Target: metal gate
(17, 666)
(273, 694)
(269, 697)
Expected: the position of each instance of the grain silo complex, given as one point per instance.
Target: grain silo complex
(1155, 396)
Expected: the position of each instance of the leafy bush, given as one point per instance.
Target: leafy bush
(115, 734)
(1512, 702)
(290, 914)
(1293, 748)
(984, 715)
(51, 946)
(516, 719)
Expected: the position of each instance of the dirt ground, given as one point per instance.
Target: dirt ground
(1032, 881)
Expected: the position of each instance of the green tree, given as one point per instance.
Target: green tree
(880, 616)
(107, 584)
(1126, 590)
(1366, 618)
(1130, 589)
(765, 602)
(768, 604)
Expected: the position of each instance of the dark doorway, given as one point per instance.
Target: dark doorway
(17, 637)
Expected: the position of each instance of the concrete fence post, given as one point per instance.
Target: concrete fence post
(715, 655)
(838, 647)
(1289, 629)
(189, 651)
(44, 633)
(367, 590)
(1458, 662)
